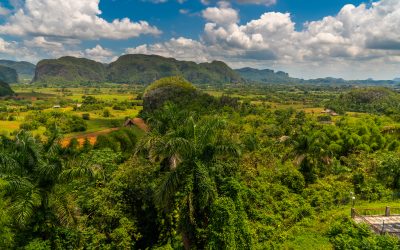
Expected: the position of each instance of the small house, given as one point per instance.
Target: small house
(137, 122)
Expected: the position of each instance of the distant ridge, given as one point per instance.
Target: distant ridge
(271, 76)
(24, 69)
(266, 76)
(142, 69)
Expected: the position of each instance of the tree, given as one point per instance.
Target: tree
(33, 171)
(192, 158)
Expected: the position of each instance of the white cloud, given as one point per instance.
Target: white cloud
(264, 2)
(41, 42)
(71, 19)
(359, 42)
(179, 48)
(223, 15)
(99, 53)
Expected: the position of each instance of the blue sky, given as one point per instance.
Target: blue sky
(352, 39)
(168, 18)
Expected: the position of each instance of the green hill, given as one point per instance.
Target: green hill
(378, 100)
(5, 89)
(24, 69)
(69, 70)
(145, 69)
(8, 75)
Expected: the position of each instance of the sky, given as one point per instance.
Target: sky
(350, 39)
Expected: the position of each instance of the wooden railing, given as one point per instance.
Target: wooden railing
(387, 211)
(380, 212)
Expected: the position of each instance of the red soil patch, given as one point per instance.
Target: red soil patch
(91, 136)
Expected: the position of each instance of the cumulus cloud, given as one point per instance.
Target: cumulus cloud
(357, 38)
(179, 48)
(223, 14)
(98, 53)
(71, 19)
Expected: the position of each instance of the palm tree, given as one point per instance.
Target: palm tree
(310, 150)
(33, 171)
(192, 157)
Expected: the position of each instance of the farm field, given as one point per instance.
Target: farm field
(48, 100)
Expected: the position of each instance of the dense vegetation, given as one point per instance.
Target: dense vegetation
(372, 100)
(5, 89)
(8, 75)
(262, 168)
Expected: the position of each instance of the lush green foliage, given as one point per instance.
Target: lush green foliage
(371, 100)
(56, 120)
(262, 169)
(5, 89)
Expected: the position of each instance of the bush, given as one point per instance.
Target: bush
(106, 113)
(86, 116)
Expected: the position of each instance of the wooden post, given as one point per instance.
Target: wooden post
(353, 212)
(387, 212)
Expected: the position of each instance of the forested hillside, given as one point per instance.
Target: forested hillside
(147, 68)
(139, 69)
(70, 70)
(8, 75)
(5, 89)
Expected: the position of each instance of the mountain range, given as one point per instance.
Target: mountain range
(142, 69)
(23, 69)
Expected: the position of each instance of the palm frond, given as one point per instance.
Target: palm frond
(24, 206)
(8, 164)
(77, 168)
(205, 187)
(65, 208)
(168, 188)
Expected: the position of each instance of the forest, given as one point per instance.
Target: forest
(235, 166)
